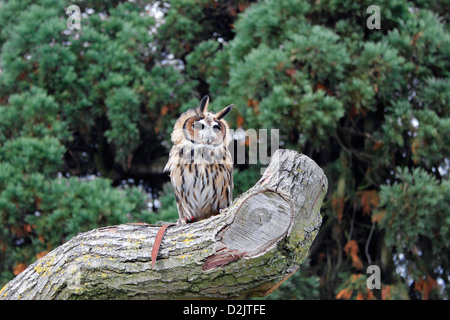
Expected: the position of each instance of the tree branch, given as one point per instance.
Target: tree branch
(247, 250)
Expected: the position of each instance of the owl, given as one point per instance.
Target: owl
(200, 164)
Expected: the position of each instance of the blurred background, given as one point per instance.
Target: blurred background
(86, 116)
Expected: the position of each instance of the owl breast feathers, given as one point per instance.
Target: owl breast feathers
(200, 164)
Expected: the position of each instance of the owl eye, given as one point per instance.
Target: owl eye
(198, 126)
(216, 127)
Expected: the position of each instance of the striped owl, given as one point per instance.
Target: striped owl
(200, 164)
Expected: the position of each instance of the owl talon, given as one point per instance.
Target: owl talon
(185, 220)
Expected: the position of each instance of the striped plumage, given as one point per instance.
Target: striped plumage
(200, 164)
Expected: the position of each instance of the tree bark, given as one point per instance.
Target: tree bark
(247, 250)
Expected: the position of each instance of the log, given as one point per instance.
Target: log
(248, 250)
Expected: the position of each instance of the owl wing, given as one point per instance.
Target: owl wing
(173, 159)
(177, 178)
(175, 168)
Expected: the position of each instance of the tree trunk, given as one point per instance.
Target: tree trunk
(247, 250)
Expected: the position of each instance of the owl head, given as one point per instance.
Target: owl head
(202, 127)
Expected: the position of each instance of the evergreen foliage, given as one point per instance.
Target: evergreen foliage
(370, 106)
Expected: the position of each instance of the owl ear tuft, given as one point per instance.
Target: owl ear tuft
(221, 114)
(203, 107)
